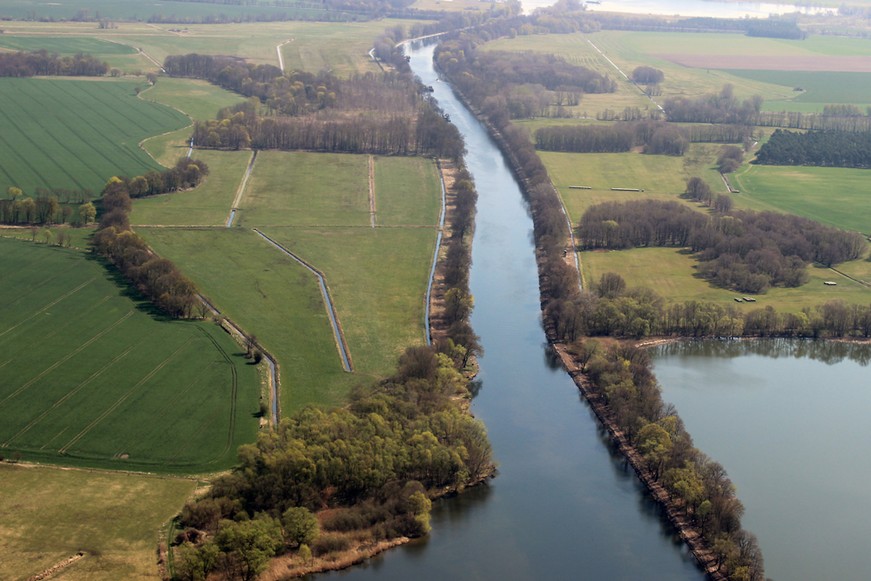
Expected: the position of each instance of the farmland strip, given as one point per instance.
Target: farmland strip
(121, 400)
(70, 394)
(36, 145)
(67, 357)
(50, 305)
(234, 388)
(43, 98)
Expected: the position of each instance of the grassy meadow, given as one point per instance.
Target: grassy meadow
(317, 205)
(270, 296)
(672, 274)
(49, 514)
(660, 176)
(89, 376)
(76, 134)
(208, 204)
(838, 197)
(198, 99)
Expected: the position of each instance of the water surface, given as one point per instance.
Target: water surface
(789, 422)
(562, 507)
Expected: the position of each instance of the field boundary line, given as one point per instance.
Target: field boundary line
(50, 305)
(234, 207)
(338, 334)
(67, 357)
(234, 389)
(69, 394)
(122, 399)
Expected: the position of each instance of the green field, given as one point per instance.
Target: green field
(317, 205)
(49, 514)
(116, 55)
(671, 273)
(660, 176)
(62, 133)
(838, 197)
(198, 99)
(271, 297)
(207, 205)
(167, 9)
(90, 377)
(307, 189)
(819, 87)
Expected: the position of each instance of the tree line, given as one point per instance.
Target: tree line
(655, 137)
(42, 63)
(740, 250)
(610, 309)
(622, 377)
(374, 464)
(319, 112)
(818, 148)
(158, 279)
(43, 210)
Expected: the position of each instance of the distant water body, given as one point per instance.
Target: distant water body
(691, 8)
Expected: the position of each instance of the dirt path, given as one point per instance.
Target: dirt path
(372, 190)
(57, 567)
(338, 334)
(428, 303)
(625, 76)
(234, 207)
(280, 56)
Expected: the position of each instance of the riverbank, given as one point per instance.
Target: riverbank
(672, 507)
(689, 533)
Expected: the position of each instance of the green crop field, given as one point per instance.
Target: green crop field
(67, 45)
(819, 87)
(660, 176)
(395, 179)
(671, 273)
(61, 133)
(207, 205)
(88, 376)
(168, 9)
(835, 196)
(48, 515)
(270, 296)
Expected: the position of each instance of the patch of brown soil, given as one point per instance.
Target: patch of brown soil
(848, 64)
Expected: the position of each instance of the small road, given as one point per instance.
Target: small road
(625, 76)
(372, 190)
(341, 345)
(427, 329)
(280, 56)
(241, 190)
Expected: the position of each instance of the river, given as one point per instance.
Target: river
(789, 422)
(562, 506)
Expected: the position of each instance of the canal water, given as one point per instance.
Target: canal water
(563, 506)
(788, 420)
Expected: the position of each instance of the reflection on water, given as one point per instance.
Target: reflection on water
(788, 420)
(691, 8)
(828, 352)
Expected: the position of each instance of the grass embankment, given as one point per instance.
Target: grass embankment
(90, 377)
(49, 514)
(317, 205)
(75, 134)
